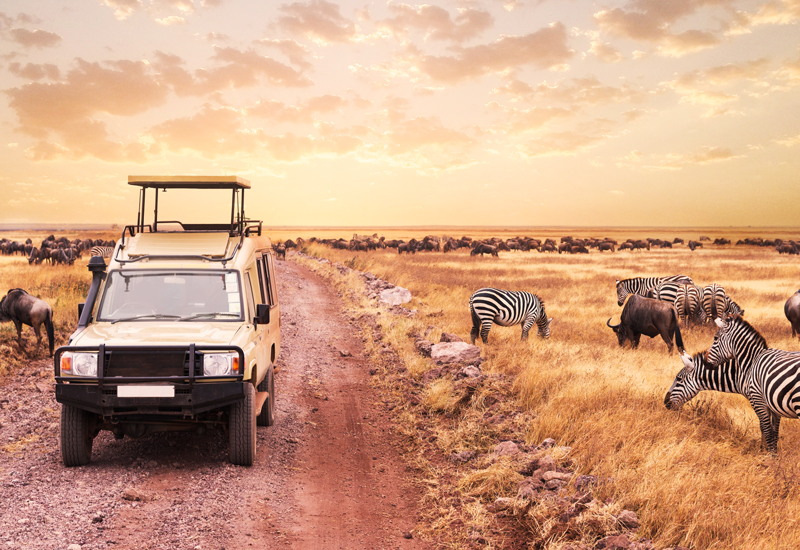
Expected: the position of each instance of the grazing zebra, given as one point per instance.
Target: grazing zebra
(507, 308)
(770, 377)
(102, 251)
(717, 303)
(689, 303)
(642, 285)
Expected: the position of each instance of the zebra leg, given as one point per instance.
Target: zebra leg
(485, 327)
(769, 424)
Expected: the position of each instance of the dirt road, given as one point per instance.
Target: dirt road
(327, 474)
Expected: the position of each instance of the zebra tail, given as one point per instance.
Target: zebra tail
(678, 338)
(713, 306)
(48, 323)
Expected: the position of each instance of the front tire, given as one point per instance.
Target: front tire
(76, 436)
(242, 428)
(267, 415)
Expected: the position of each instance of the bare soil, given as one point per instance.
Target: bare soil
(328, 474)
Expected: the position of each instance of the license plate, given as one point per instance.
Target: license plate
(145, 391)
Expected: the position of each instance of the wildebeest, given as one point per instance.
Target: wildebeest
(484, 249)
(792, 311)
(650, 317)
(23, 309)
(280, 251)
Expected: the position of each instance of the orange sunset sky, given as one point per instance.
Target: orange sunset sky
(485, 112)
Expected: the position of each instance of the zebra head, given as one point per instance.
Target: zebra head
(544, 328)
(721, 349)
(685, 386)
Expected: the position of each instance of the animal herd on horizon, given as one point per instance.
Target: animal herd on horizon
(738, 360)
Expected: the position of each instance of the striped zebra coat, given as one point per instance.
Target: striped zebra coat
(507, 308)
(770, 378)
(689, 303)
(643, 285)
(717, 304)
(102, 251)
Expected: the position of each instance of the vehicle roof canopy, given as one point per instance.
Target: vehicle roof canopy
(189, 182)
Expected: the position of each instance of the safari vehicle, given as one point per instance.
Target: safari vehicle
(179, 332)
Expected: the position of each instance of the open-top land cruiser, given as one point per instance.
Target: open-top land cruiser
(179, 332)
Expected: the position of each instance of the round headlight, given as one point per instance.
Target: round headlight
(216, 364)
(84, 364)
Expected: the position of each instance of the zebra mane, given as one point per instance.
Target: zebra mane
(750, 328)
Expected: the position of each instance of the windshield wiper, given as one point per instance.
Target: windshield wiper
(146, 316)
(210, 314)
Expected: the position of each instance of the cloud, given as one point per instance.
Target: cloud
(789, 141)
(171, 20)
(436, 22)
(569, 142)
(35, 39)
(32, 71)
(774, 12)
(237, 69)
(677, 161)
(525, 120)
(422, 133)
(543, 49)
(652, 21)
(157, 8)
(577, 91)
(605, 52)
(294, 51)
(66, 110)
(280, 112)
(318, 20)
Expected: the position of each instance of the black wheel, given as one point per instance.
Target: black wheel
(267, 415)
(242, 428)
(76, 436)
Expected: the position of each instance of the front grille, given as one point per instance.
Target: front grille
(148, 364)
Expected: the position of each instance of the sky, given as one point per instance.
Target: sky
(456, 112)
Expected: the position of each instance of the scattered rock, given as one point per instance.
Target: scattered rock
(135, 495)
(530, 488)
(506, 448)
(470, 371)
(455, 352)
(447, 337)
(548, 443)
(431, 375)
(345, 353)
(463, 456)
(628, 520)
(407, 535)
(584, 482)
(74, 547)
(424, 347)
(614, 542)
(500, 504)
(395, 296)
(551, 475)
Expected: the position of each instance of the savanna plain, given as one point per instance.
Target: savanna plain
(695, 477)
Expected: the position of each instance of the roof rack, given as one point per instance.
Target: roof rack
(237, 185)
(239, 225)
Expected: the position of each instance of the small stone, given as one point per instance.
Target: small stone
(628, 520)
(455, 352)
(463, 456)
(506, 448)
(74, 547)
(470, 371)
(500, 504)
(548, 476)
(547, 444)
(529, 488)
(345, 353)
(614, 542)
(407, 535)
(395, 296)
(424, 347)
(554, 484)
(447, 337)
(584, 482)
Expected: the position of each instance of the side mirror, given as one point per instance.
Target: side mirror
(80, 310)
(262, 315)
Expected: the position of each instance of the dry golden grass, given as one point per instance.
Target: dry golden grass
(695, 477)
(63, 287)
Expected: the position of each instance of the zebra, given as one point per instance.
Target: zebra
(507, 308)
(642, 285)
(102, 251)
(689, 303)
(717, 303)
(770, 377)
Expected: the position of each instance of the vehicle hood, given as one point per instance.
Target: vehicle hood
(157, 333)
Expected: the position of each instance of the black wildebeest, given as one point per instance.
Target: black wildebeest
(792, 311)
(484, 249)
(650, 317)
(23, 309)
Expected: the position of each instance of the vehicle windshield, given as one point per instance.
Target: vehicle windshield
(178, 295)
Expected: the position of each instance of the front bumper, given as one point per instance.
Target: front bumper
(176, 366)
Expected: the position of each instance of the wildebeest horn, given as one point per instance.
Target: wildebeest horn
(610, 325)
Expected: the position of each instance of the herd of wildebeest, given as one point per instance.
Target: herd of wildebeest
(495, 245)
(61, 251)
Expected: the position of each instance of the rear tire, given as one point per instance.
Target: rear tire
(267, 415)
(76, 436)
(242, 428)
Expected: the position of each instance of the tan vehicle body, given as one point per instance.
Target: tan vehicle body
(180, 331)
